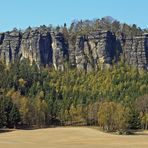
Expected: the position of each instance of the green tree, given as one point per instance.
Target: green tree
(113, 116)
(14, 116)
(3, 118)
(141, 104)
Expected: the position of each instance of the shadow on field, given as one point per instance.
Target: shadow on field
(6, 130)
(139, 132)
(31, 128)
(35, 127)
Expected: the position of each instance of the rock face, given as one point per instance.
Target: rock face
(60, 51)
(100, 48)
(36, 45)
(136, 51)
(95, 49)
(10, 46)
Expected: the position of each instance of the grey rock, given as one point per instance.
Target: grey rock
(36, 46)
(98, 49)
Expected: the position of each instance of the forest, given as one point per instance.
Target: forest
(115, 99)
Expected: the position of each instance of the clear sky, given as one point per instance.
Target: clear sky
(24, 13)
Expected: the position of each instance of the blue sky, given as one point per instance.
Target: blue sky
(24, 13)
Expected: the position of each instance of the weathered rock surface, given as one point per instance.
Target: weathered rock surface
(136, 51)
(10, 46)
(36, 45)
(100, 48)
(60, 51)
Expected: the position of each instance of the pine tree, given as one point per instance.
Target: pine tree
(14, 116)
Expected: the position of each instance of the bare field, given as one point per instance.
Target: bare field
(70, 137)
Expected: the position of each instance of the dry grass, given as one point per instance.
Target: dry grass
(71, 137)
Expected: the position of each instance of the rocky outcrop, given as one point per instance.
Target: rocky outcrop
(36, 46)
(99, 48)
(136, 51)
(60, 51)
(94, 50)
(10, 46)
(102, 45)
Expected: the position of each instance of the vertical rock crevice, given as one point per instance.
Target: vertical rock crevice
(60, 51)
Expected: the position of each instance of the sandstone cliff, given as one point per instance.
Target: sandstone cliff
(50, 48)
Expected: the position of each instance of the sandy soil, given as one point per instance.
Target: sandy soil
(71, 137)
